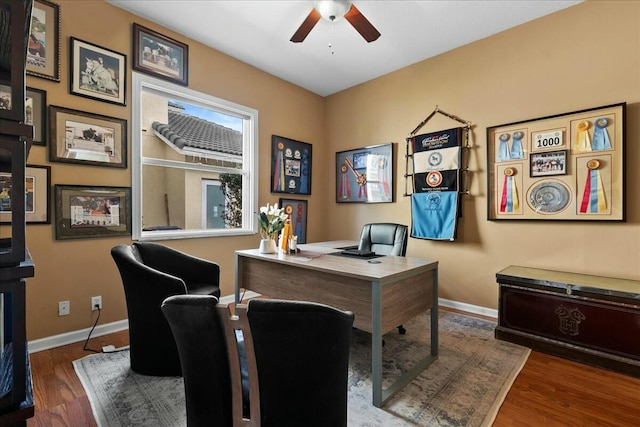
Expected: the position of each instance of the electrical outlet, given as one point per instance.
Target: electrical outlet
(96, 303)
(64, 308)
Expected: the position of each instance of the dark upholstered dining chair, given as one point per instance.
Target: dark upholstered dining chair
(286, 362)
(384, 238)
(150, 273)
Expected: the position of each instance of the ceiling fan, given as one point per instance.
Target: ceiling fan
(332, 11)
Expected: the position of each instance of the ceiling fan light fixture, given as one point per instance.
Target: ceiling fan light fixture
(332, 10)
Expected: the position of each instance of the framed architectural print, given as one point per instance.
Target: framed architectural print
(365, 175)
(84, 211)
(86, 138)
(98, 72)
(290, 166)
(160, 56)
(297, 211)
(35, 108)
(37, 209)
(43, 51)
(564, 167)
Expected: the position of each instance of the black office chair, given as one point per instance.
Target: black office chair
(385, 239)
(298, 354)
(150, 273)
(199, 334)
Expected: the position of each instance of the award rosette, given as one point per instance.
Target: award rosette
(516, 145)
(583, 140)
(593, 197)
(509, 202)
(601, 139)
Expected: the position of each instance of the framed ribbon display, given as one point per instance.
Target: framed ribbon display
(365, 175)
(563, 167)
(290, 166)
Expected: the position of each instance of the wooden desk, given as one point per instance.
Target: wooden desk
(382, 296)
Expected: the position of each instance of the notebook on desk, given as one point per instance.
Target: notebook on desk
(357, 252)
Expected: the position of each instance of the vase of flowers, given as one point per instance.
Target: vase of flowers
(271, 221)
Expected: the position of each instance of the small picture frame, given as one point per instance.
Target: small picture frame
(548, 163)
(365, 175)
(36, 114)
(160, 56)
(290, 166)
(43, 49)
(87, 138)
(297, 211)
(97, 72)
(84, 211)
(37, 208)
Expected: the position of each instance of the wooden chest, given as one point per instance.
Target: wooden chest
(590, 319)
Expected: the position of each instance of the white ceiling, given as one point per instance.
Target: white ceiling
(258, 31)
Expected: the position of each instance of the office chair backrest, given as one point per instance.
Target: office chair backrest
(199, 335)
(301, 356)
(384, 239)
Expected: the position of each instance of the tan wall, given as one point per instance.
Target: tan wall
(76, 270)
(585, 56)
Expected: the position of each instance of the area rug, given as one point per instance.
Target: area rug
(464, 387)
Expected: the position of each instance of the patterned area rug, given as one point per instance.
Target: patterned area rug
(464, 387)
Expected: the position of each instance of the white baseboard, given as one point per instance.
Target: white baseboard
(475, 309)
(120, 325)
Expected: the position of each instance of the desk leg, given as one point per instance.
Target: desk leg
(434, 316)
(376, 344)
(380, 396)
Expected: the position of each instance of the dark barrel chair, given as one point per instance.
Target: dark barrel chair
(284, 362)
(150, 273)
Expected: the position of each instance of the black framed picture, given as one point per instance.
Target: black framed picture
(160, 56)
(365, 175)
(35, 108)
(43, 50)
(290, 166)
(36, 184)
(297, 211)
(98, 72)
(84, 211)
(86, 138)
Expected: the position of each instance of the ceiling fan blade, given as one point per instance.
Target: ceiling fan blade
(362, 24)
(307, 25)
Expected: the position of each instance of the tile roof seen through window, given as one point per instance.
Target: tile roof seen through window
(186, 131)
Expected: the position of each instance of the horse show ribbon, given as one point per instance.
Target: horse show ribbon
(278, 177)
(304, 173)
(503, 148)
(509, 201)
(583, 140)
(345, 191)
(516, 145)
(601, 139)
(593, 197)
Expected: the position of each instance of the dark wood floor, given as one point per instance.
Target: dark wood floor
(548, 392)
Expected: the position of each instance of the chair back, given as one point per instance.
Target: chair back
(301, 354)
(199, 335)
(384, 238)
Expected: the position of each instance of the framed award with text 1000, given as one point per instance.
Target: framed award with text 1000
(564, 167)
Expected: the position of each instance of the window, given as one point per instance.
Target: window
(194, 163)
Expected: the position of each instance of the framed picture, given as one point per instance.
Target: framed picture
(365, 175)
(84, 211)
(566, 167)
(87, 138)
(548, 164)
(297, 211)
(43, 50)
(36, 114)
(160, 55)
(290, 166)
(37, 210)
(97, 72)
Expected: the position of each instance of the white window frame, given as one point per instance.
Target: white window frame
(249, 170)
